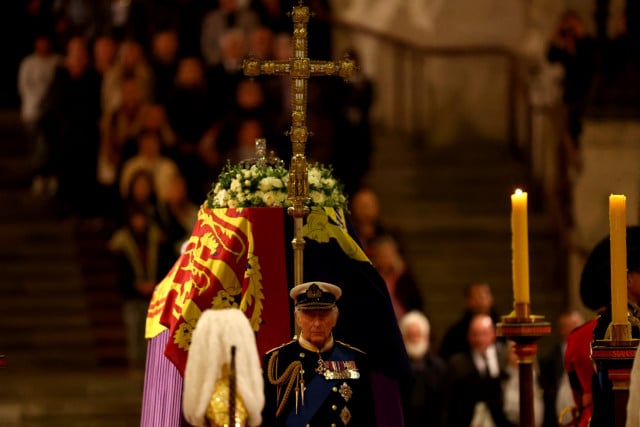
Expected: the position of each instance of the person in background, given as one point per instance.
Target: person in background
(316, 379)
(473, 387)
(71, 112)
(105, 49)
(141, 193)
(553, 376)
(422, 404)
(190, 111)
(574, 49)
(478, 299)
(365, 217)
(165, 46)
(353, 156)
(142, 258)
(401, 283)
(35, 75)
(223, 352)
(150, 157)
(177, 213)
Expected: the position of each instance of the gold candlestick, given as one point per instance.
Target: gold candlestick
(524, 329)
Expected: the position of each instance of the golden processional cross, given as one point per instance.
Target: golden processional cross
(299, 68)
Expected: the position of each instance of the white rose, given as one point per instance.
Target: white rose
(265, 184)
(317, 197)
(235, 185)
(329, 182)
(220, 198)
(314, 177)
(269, 198)
(277, 183)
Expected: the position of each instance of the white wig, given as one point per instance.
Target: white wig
(214, 335)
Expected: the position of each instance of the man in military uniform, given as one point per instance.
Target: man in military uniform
(315, 380)
(595, 290)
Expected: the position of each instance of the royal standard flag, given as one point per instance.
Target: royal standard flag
(234, 258)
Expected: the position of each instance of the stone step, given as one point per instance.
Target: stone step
(78, 397)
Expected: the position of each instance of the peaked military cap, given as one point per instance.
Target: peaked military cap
(315, 295)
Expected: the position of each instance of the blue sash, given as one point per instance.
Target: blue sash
(317, 391)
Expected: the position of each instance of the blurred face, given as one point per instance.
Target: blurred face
(282, 47)
(131, 53)
(261, 42)
(43, 46)
(480, 299)
(104, 51)
(141, 188)
(633, 286)
(416, 341)
(388, 262)
(249, 132)
(190, 73)
(154, 116)
(365, 207)
(249, 94)
(165, 46)
(131, 93)
(481, 333)
(150, 146)
(177, 190)
(138, 222)
(316, 325)
(569, 322)
(77, 59)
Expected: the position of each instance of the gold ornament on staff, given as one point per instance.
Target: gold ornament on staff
(299, 68)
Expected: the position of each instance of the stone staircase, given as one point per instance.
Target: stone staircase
(60, 369)
(451, 206)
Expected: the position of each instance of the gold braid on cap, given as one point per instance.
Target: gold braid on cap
(289, 376)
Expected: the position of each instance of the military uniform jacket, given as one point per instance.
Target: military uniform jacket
(306, 388)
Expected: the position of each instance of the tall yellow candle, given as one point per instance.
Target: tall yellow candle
(520, 247)
(618, 240)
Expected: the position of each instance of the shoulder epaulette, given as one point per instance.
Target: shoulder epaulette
(280, 346)
(351, 347)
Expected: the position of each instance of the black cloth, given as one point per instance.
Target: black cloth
(345, 396)
(551, 372)
(422, 405)
(465, 387)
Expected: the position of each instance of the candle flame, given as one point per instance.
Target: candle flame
(518, 191)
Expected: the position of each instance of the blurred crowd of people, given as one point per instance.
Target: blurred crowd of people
(112, 87)
(131, 109)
